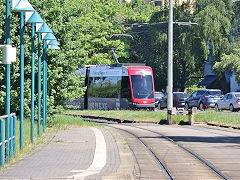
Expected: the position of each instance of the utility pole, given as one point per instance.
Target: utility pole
(170, 64)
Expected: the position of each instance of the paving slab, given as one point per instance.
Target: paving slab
(70, 152)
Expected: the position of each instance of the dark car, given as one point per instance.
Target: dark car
(203, 98)
(158, 96)
(179, 99)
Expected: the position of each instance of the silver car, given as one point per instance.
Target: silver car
(231, 101)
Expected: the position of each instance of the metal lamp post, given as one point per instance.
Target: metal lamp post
(48, 36)
(21, 6)
(8, 74)
(43, 29)
(34, 18)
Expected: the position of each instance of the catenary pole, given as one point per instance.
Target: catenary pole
(170, 64)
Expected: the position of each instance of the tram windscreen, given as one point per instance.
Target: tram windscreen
(142, 86)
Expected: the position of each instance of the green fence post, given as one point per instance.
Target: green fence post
(14, 134)
(7, 138)
(2, 141)
(11, 137)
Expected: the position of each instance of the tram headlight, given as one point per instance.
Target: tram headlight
(134, 103)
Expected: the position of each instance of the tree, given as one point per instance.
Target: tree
(229, 61)
(83, 29)
(214, 25)
(151, 47)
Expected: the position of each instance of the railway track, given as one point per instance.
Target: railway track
(170, 173)
(222, 131)
(158, 146)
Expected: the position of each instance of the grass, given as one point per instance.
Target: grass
(56, 123)
(63, 121)
(123, 114)
(220, 118)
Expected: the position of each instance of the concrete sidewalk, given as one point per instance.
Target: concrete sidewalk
(75, 154)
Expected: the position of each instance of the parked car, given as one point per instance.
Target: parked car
(231, 101)
(179, 99)
(203, 98)
(158, 96)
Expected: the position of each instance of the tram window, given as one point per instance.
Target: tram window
(125, 90)
(142, 86)
(90, 86)
(105, 87)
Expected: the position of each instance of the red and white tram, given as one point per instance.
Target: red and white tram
(118, 86)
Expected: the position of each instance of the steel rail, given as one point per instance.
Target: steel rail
(184, 148)
(159, 163)
(163, 168)
(191, 152)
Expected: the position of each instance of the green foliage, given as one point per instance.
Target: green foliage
(229, 62)
(151, 47)
(193, 88)
(83, 29)
(214, 24)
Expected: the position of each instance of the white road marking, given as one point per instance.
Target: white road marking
(99, 160)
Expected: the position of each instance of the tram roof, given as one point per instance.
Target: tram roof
(116, 65)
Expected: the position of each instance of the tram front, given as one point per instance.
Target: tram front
(142, 87)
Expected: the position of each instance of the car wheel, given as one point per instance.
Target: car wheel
(159, 106)
(216, 107)
(201, 106)
(186, 106)
(231, 108)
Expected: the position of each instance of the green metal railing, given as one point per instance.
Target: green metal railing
(7, 137)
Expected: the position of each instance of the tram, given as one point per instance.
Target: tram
(117, 86)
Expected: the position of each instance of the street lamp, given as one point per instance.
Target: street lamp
(48, 36)
(21, 6)
(170, 60)
(41, 29)
(53, 44)
(34, 18)
(53, 47)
